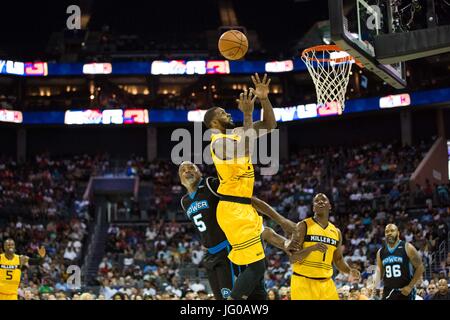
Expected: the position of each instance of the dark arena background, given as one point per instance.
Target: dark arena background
(93, 93)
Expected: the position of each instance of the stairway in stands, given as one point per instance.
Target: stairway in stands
(96, 248)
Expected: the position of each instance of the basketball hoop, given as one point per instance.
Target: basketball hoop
(329, 68)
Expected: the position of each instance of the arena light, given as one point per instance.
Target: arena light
(217, 67)
(11, 116)
(301, 111)
(83, 117)
(36, 69)
(131, 116)
(97, 68)
(196, 115)
(307, 111)
(175, 67)
(393, 101)
(168, 67)
(329, 109)
(12, 67)
(108, 116)
(279, 66)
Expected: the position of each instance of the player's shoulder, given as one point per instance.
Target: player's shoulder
(302, 225)
(409, 247)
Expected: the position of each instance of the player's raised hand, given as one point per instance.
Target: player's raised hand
(246, 101)
(41, 251)
(261, 87)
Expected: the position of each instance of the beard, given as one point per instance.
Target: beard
(191, 179)
(393, 240)
(228, 125)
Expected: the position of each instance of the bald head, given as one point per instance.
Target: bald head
(392, 234)
(189, 174)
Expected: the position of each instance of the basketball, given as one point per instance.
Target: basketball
(233, 45)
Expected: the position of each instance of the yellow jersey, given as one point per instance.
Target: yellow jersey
(10, 274)
(318, 264)
(236, 176)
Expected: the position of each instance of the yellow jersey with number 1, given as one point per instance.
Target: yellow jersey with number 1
(10, 274)
(318, 264)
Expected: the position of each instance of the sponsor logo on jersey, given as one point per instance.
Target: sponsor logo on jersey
(196, 206)
(4, 266)
(323, 239)
(392, 259)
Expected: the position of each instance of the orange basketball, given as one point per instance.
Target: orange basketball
(233, 45)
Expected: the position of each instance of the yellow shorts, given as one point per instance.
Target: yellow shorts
(242, 226)
(310, 289)
(8, 296)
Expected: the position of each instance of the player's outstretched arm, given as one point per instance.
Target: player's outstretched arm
(274, 239)
(263, 207)
(341, 264)
(417, 263)
(262, 92)
(295, 244)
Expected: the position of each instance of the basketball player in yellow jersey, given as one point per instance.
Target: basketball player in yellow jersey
(231, 152)
(10, 270)
(320, 244)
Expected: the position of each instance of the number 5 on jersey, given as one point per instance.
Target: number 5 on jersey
(199, 223)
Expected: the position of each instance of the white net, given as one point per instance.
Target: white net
(330, 69)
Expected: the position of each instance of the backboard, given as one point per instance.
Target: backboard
(353, 26)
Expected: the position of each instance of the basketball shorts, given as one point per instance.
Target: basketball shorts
(395, 294)
(8, 296)
(242, 226)
(221, 272)
(303, 288)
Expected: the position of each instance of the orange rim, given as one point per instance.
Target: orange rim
(329, 47)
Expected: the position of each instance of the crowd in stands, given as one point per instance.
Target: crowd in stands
(45, 187)
(368, 187)
(41, 205)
